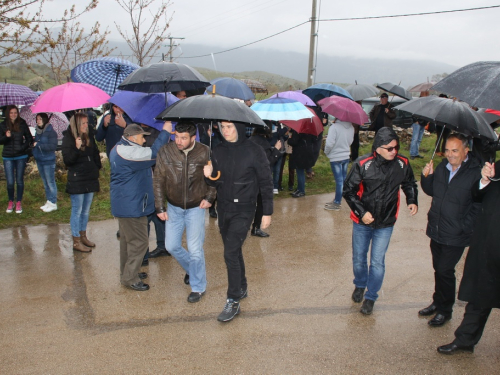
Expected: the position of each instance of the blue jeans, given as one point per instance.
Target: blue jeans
(276, 169)
(416, 138)
(301, 180)
(14, 173)
(80, 207)
(48, 175)
(193, 262)
(339, 169)
(371, 278)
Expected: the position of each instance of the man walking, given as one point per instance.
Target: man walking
(244, 170)
(132, 198)
(451, 220)
(382, 114)
(179, 178)
(372, 192)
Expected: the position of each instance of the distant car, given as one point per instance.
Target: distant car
(403, 119)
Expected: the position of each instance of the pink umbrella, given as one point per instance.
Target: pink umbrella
(69, 96)
(344, 109)
(311, 125)
(57, 119)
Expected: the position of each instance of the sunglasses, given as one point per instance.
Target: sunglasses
(391, 149)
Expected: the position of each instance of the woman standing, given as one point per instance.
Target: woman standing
(302, 158)
(17, 139)
(44, 153)
(81, 156)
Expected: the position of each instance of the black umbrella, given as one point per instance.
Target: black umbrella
(395, 89)
(489, 117)
(164, 76)
(477, 84)
(211, 108)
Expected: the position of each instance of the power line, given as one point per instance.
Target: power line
(346, 19)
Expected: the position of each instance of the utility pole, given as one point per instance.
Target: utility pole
(312, 45)
(170, 50)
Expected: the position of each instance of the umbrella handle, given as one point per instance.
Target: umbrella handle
(218, 172)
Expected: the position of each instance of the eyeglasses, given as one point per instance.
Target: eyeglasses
(391, 149)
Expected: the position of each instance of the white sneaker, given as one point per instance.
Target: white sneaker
(275, 191)
(50, 207)
(45, 206)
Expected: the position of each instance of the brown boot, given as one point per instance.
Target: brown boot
(79, 246)
(85, 240)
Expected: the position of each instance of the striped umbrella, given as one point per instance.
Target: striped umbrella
(278, 109)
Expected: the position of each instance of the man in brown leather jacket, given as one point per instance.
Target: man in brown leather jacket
(179, 178)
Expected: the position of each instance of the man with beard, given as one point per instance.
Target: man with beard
(179, 178)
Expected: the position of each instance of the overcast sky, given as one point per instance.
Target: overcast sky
(455, 38)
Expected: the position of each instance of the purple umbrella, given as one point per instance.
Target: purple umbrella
(295, 95)
(11, 94)
(57, 119)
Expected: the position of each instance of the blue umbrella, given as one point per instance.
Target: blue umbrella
(231, 88)
(141, 107)
(280, 109)
(325, 90)
(104, 72)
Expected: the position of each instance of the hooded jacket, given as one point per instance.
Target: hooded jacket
(244, 171)
(373, 184)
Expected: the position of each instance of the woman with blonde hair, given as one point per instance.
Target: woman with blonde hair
(81, 156)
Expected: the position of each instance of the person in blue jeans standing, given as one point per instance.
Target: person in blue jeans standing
(44, 152)
(372, 192)
(416, 138)
(337, 150)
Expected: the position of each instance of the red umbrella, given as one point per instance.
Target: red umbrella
(344, 109)
(312, 125)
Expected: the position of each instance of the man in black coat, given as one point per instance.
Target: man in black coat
(451, 220)
(244, 170)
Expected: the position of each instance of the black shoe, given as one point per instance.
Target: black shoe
(139, 286)
(212, 213)
(259, 233)
(367, 307)
(243, 294)
(429, 310)
(290, 188)
(293, 191)
(298, 194)
(357, 295)
(419, 156)
(412, 157)
(195, 296)
(143, 275)
(186, 279)
(230, 310)
(280, 188)
(454, 348)
(145, 262)
(439, 320)
(118, 234)
(159, 253)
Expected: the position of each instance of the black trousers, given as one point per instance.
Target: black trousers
(444, 260)
(259, 212)
(471, 329)
(291, 171)
(355, 146)
(234, 228)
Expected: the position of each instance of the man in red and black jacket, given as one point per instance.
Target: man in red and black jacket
(372, 192)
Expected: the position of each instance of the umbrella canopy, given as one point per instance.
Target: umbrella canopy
(141, 107)
(489, 115)
(450, 113)
(361, 91)
(210, 108)
(295, 95)
(58, 120)
(477, 84)
(11, 94)
(279, 109)
(424, 86)
(395, 89)
(311, 125)
(344, 109)
(69, 96)
(104, 72)
(164, 76)
(255, 86)
(231, 88)
(324, 90)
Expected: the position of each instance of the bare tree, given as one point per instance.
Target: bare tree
(20, 29)
(148, 33)
(36, 83)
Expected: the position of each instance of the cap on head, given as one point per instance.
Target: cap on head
(134, 129)
(384, 95)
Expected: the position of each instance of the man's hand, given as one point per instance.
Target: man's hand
(428, 169)
(167, 125)
(163, 216)
(367, 218)
(207, 170)
(487, 172)
(387, 110)
(266, 221)
(205, 204)
(413, 209)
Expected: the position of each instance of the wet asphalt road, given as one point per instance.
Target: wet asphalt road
(66, 313)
